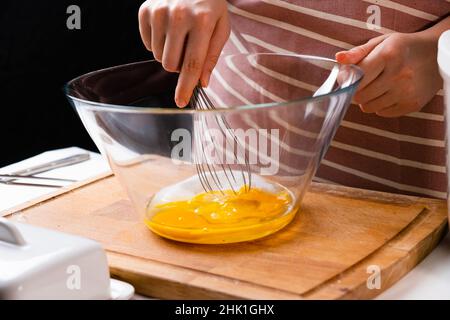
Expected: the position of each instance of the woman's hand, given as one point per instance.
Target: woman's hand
(401, 73)
(186, 36)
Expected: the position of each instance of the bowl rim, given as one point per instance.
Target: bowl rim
(100, 106)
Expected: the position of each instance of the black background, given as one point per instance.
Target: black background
(284, 310)
(39, 54)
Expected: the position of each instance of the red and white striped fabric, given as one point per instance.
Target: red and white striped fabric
(403, 155)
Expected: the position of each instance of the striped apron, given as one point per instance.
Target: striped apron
(401, 155)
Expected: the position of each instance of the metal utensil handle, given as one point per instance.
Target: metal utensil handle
(16, 177)
(16, 180)
(77, 158)
(32, 184)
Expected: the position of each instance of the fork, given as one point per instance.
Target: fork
(29, 172)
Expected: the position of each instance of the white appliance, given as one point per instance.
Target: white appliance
(37, 263)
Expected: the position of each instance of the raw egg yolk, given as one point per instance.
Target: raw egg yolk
(220, 217)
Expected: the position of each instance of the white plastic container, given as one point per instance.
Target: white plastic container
(37, 263)
(444, 67)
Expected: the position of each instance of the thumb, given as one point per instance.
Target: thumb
(356, 54)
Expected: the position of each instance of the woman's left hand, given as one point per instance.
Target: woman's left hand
(401, 73)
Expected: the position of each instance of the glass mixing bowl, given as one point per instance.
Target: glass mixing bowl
(234, 172)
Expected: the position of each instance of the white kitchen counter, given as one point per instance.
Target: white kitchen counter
(429, 280)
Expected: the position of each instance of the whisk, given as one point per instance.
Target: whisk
(207, 170)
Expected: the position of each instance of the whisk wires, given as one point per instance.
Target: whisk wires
(206, 169)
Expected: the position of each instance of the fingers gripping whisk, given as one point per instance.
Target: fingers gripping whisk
(217, 173)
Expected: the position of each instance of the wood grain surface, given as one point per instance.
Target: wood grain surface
(323, 254)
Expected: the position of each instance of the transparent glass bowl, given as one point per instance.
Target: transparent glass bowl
(258, 150)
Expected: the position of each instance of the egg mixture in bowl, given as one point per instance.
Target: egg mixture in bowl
(129, 112)
(184, 212)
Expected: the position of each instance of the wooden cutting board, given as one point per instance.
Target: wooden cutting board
(332, 249)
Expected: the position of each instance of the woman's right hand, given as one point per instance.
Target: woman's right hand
(186, 36)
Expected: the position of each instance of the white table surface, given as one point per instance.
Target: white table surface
(429, 280)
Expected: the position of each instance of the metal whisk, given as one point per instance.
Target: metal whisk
(216, 176)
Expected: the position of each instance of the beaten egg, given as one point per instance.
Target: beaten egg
(222, 216)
